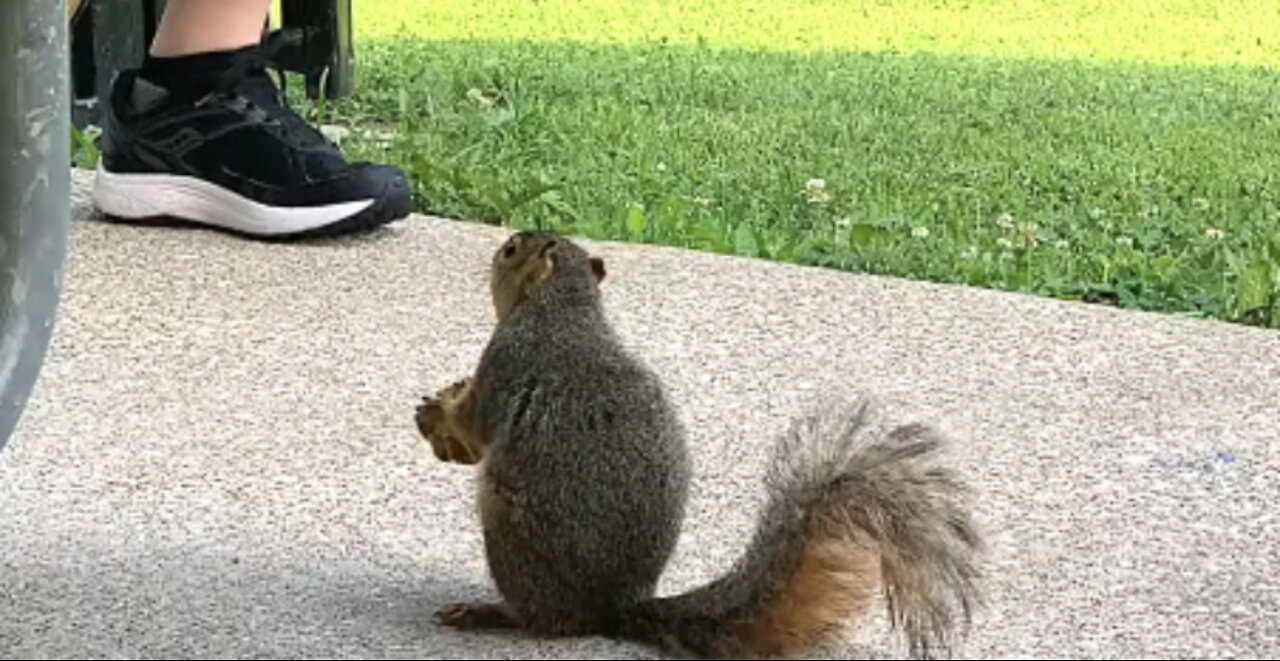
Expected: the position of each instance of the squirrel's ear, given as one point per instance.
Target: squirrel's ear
(597, 267)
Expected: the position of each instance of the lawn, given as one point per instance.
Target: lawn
(1124, 153)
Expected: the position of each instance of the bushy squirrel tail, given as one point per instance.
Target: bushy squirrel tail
(855, 509)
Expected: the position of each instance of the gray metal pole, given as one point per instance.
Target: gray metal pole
(35, 191)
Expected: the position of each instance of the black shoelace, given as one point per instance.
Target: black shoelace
(247, 78)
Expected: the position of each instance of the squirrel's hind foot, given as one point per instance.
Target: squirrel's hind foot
(477, 616)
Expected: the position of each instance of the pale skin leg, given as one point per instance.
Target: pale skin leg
(201, 26)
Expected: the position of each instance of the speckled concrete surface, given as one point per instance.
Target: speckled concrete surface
(219, 459)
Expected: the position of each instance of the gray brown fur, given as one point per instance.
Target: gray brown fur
(585, 476)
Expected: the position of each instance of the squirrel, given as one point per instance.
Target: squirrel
(584, 474)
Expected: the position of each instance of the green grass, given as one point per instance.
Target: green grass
(1126, 153)
(1156, 31)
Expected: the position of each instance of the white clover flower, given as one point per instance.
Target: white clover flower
(1214, 233)
(335, 134)
(475, 95)
(1061, 244)
(379, 138)
(1005, 221)
(1097, 213)
(662, 167)
(816, 190)
(1126, 241)
(1004, 243)
(920, 232)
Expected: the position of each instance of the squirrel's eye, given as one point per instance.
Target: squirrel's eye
(509, 250)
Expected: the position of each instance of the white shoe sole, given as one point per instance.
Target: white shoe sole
(141, 196)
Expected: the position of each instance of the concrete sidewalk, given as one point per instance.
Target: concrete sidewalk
(220, 461)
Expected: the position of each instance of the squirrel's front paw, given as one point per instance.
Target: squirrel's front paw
(454, 390)
(430, 418)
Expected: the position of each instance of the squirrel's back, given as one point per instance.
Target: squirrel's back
(584, 485)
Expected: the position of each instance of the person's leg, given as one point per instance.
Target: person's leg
(199, 133)
(197, 39)
(202, 26)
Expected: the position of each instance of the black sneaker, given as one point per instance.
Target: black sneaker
(237, 159)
